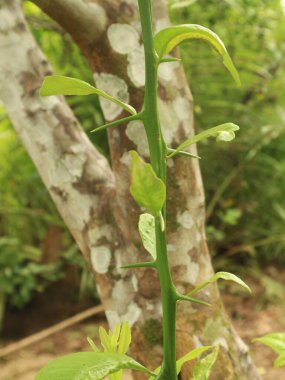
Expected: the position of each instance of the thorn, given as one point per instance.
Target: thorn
(162, 222)
(181, 297)
(170, 59)
(173, 152)
(118, 122)
(148, 264)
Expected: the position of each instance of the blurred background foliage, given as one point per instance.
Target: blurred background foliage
(244, 180)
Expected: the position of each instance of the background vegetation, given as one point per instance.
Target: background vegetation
(244, 180)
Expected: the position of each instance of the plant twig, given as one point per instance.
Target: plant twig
(32, 339)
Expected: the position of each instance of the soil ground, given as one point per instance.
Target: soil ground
(252, 317)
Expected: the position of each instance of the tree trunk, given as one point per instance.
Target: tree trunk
(94, 200)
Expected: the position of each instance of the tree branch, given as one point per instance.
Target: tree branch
(87, 18)
(76, 175)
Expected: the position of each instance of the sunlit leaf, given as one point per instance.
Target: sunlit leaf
(276, 341)
(225, 132)
(115, 336)
(147, 189)
(147, 233)
(182, 4)
(224, 276)
(203, 367)
(280, 361)
(88, 366)
(169, 38)
(105, 340)
(194, 354)
(60, 85)
(125, 338)
(190, 356)
(93, 345)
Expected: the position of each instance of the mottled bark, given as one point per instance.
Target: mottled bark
(95, 201)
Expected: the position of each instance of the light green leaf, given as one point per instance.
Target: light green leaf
(105, 340)
(60, 85)
(190, 356)
(226, 136)
(182, 4)
(276, 341)
(67, 367)
(125, 338)
(146, 188)
(169, 38)
(224, 276)
(93, 345)
(109, 364)
(115, 336)
(203, 367)
(147, 233)
(225, 132)
(280, 361)
(116, 376)
(184, 359)
(88, 366)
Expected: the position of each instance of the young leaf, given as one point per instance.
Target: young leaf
(224, 276)
(280, 361)
(146, 188)
(276, 341)
(225, 132)
(203, 367)
(190, 356)
(125, 338)
(147, 233)
(93, 345)
(115, 336)
(182, 4)
(169, 38)
(184, 359)
(60, 85)
(105, 340)
(88, 366)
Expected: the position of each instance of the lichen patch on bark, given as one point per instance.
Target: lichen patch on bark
(115, 87)
(136, 66)
(101, 259)
(136, 133)
(123, 38)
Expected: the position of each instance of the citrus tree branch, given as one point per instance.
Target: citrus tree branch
(76, 175)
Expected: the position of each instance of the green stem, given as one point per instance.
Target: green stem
(157, 150)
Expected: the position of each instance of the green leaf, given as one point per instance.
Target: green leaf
(276, 341)
(203, 367)
(88, 366)
(184, 359)
(146, 188)
(225, 132)
(105, 340)
(224, 276)
(167, 39)
(190, 356)
(93, 345)
(111, 363)
(226, 136)
(147, 233)
(67, 367)
(125, 338)
(60, 85)
(182, 4)
(280, 361)
(115, 336)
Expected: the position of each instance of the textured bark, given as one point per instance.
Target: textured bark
(95, 201)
